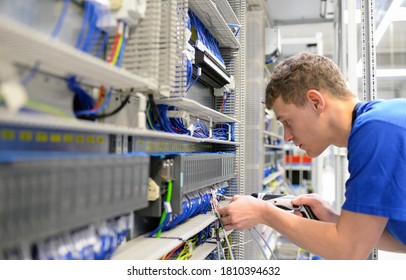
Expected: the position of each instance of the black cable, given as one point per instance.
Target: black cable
(154, 109)
(115, 111)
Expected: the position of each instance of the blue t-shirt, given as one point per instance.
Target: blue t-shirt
(377, 164)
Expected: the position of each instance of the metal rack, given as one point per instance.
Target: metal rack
(27, 46)
(153, 64)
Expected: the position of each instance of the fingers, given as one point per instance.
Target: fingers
(298, 213)
(307, 199)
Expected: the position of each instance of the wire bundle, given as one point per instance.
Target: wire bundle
(95, 242)
(185, 250)
(204, 36)
(85, 106)
(157, 118)
(89, 33)
(57, 28)
(192, 205)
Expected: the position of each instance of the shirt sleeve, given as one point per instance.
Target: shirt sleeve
(377, 167)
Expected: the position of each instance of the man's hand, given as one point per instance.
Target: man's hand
(243, 212)
(320, 208)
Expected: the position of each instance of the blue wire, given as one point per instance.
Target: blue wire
(103, 44)
(102, 108)
(192, 83)
(85, 99)
(91, 28)
(97, 31)
(121, 54)
(83, 28)
(204, 36)
(155, 231)
(54, 34)
(61, 19)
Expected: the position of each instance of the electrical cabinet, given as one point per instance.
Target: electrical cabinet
(118, 126)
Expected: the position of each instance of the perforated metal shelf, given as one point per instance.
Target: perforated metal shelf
(279, 147)
(227, 11)
(24, 45)
(157, 247)
(196, 109)
(207, 12)
(203, 251)
(273, 176)
(50, 122)
(273, 134)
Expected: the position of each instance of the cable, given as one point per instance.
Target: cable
(115, 111)
(61, 19)
(83, 27)
(259, 245)
(91, 27)
(198, 74)
(124, 41)
(54, 34)
(237, 27)
(120, 42)
(164, 218)
(254, 229)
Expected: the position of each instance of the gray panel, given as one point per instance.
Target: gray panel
(197, 171)
(44, 197)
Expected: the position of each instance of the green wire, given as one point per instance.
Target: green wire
(149, 117)
(42, 107)
(168, 199)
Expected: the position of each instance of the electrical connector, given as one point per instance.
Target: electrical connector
(167, 171)
(129, 11)
(14, 95)
(185, 116)
(153, 190)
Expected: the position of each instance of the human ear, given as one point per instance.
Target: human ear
(316, 100)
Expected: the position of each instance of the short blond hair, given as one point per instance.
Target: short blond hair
(292, 78)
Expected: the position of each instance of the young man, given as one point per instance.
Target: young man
(310, 98)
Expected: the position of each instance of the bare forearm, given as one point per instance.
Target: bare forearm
(388, 243)
(320, 238)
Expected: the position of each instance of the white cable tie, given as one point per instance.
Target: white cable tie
(127, 31)
(120, 27)
(168, 207)
(190, 245)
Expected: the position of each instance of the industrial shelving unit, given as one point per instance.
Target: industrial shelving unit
(154, 66)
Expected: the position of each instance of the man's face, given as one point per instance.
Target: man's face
(302, 125)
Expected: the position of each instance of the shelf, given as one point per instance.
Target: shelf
(201, 252)
(298, 167)
(227, 12)
(144, 248)
(273, 134)
(194, 108)
(27, 46)
(207, 12)
(66, 124)
(274, 146)
(157, 247)
(273, 176)
(191, 227)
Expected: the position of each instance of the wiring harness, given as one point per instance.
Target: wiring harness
(85, 107)
(194, 203)
(95, 242)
